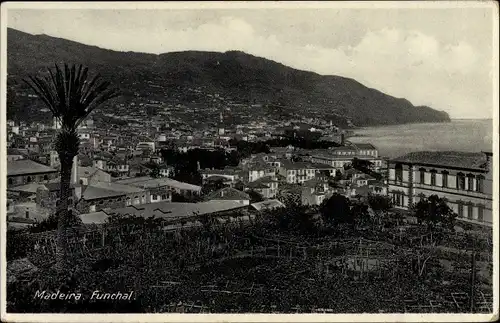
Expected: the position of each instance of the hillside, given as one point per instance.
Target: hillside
(243, 77)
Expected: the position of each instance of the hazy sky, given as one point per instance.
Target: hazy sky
(437, 57)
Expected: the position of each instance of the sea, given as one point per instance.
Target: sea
(457, 135)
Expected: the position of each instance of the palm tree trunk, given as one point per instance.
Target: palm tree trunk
(62, 210)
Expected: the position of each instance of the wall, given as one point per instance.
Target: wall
(160, 195)
(84, 206)
(33, 178)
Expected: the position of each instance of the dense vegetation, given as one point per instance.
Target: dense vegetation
(230, 267)
(243, 77)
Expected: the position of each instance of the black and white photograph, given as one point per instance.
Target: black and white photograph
(215, 161)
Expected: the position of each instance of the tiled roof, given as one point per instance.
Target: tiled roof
(267, 205)
(15, 151)
(92, 193)
(177, 210)
(445, 159)
(218, 178)
(28, 188)
(266, 180)
(365, 146)
(225, 171)
(321, 166)
(228, 193)
(89, 171)
(314, 182)
(26, 167)
(257, 185)
(118, 187)
(343, 148)
(304, 165)
(55, 185)
(149, 182)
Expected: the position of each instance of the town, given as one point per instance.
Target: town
(224, 175)
(249, 158)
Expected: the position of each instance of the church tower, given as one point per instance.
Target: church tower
(221, 125)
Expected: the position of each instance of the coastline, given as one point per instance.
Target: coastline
(468, 135)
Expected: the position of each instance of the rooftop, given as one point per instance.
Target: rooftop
(166, 210)
(94, 217)
(257, 185)
(452, 159)
(343, 148)
(89, 171)
(26, 167)
(228, 193)
(149, 182)
(314, 182)
(28, 188)
(215, 178)
(225, 171)
(304, 165)
(267, 205)
(93, 193)
(118, 187)
(365, 146)
(15, 151)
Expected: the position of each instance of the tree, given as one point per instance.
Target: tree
(380, 204)
(434, 213)
(361, 164)
(255, 197)
(294, 217)
(155, 171)
(359, 214)
(212, 186)
(337, 209)
(71, 96)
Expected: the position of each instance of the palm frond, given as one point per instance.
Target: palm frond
(45, 92)
(69, 94)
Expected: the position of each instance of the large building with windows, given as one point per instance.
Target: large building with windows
(338, 157)
(465, 180)
(25, 171)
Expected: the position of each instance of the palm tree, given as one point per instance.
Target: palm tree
(71, 96)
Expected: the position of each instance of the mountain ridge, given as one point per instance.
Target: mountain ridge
(245, 77)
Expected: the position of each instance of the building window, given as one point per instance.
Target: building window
(398, 199)
(45, 177)
(460, 209)
(470, 180)
(422, 175)
(433, 177)
(470, 210)
(399, 172)
(10, 181)
(28, 179)
(445, 178)
(460, 181)
(480, 211)
(479, 183)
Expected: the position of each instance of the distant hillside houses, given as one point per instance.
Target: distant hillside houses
(300, 172)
